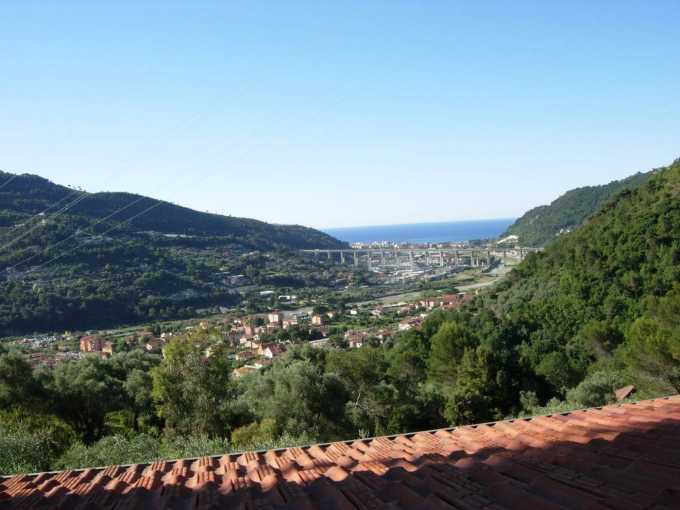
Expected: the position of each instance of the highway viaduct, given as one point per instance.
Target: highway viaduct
(400, 257)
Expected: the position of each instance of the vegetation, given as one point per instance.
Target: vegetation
(598, 309)
(90, 267)
(543, 224)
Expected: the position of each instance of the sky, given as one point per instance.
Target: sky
(333, 114)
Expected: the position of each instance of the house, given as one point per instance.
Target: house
(275, 317)
(250, 343)
(356, 338)
(320, 343)
(236, 334)
(289, 323)
(91, 343)
(317, 320)
(273, 350)
(411, 323)
(384, 334)
(245, 355)
(153, 345)
(107, 348)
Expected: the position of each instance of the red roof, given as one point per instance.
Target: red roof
(620, 456)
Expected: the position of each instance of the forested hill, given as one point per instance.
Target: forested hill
(76, 260)
(544, 223)
(27, 195)
(598, 309)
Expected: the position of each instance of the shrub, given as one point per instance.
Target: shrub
(30, 442)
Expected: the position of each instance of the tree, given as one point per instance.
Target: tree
(18, 386)
(85, 392)
(448, 346)
(190, 389)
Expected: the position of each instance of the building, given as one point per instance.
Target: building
(107, 348)
(153, 345)
(355, 338)
(275, 317)
(318, 320)
(411, 323)
(91, 343)
(290, 322)
(273, 350)
(270, 350)
(320, 343)
(623, 456)
(245, 355)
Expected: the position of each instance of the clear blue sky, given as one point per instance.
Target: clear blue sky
(340, 113)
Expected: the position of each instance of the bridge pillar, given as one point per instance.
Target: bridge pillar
(441, 259)
(342, 257)
(382, 257)
(356, 258)
(328, 254)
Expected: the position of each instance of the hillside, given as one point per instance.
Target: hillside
(74, 260)
(599, 307)
(28, 195)
(544, 223)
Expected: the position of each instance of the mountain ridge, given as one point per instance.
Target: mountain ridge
(40, 193)
(544, 223)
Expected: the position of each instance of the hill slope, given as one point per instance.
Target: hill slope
(598, 309)
(542, 224)
(27, 195)
(74, 260)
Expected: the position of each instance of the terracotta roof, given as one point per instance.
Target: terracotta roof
(622, 456)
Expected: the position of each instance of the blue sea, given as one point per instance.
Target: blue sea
(454, 231)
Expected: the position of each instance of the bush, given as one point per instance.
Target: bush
(110, 450)
(255, 433)
(24, 452)
(30, 443)
(597, 389)
(180, 447)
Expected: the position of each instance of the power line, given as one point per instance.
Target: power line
(53, 259)
(8, 181)
(61, 211)
(101, 220)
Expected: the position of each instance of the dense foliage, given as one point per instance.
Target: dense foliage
(544, 223)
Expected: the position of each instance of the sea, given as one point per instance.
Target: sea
(422, 233)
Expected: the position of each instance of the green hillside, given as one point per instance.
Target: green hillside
(28, 195)
(74, 260)
(544, 223)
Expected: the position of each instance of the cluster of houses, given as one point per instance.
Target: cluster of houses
(256, 352)
(50, 359)
(249, 337)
